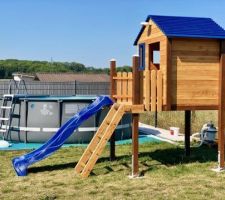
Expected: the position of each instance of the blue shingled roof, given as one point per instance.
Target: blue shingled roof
(191, 27)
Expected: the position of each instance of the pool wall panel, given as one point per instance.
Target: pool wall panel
(44, 118)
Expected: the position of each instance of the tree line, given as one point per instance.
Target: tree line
(10, 66)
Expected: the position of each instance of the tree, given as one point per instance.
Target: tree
(10, 66)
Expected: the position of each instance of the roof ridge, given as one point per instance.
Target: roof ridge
(178, 16)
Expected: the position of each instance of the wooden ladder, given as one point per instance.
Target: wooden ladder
(99, 141)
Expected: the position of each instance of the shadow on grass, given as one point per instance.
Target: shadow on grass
(51, 167)
(174, 156)
(168, 157)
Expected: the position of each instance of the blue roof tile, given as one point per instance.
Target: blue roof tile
(186, 27)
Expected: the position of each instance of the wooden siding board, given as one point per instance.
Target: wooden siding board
(168, 73)
(153, 90)
(119, 86)
(195, 72)
(147, 90)
(221, 103)
(159, 91)
(124, 87)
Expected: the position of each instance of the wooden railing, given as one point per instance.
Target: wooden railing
(123, 83)
(153, 90)
(151, 86)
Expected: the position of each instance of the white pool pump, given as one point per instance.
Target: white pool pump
(207, 134)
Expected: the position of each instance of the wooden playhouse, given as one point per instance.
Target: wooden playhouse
(180, 66)
(189, 50)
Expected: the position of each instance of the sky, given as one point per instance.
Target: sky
(87, 31)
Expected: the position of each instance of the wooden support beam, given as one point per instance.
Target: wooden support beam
(112, 154)
(112, 81)
(135, 166)
(168, 73)
(221, 109)
(187, 132)
(136, 80)
(156, 119)
(135, 117)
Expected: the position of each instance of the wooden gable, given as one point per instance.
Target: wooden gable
(151, 34)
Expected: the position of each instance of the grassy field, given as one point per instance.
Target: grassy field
(167, 175)
(176, 118)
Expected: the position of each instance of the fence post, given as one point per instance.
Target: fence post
(75, 87)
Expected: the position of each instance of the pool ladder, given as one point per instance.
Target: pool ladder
(5, 115)
(8, 108)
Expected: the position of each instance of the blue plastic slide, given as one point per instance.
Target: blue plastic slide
(21, 163)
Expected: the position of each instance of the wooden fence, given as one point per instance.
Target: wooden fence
(60, 88)
(123, 83)
(152, 89)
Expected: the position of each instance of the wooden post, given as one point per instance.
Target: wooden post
(168, 73)
(135, 117)
(112, 92)
(156, 119)
(112, 81)
(221, 108)
(187, 132)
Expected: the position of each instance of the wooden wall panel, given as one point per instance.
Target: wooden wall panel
(195, 72)
(153, 35)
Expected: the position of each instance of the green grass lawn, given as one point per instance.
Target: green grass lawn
(168, 174)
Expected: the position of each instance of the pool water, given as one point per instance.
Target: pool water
(24, 146)
(142, 139)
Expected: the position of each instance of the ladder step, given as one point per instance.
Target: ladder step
(4, 118)
(116, 106)
(3, 130)
(6, 107)
(99, 137)
(8, 95)
(97, 154)
(14, 129)
(90, 151)
(82, 164)
(15, 115)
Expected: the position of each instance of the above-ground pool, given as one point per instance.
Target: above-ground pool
(41, 116)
